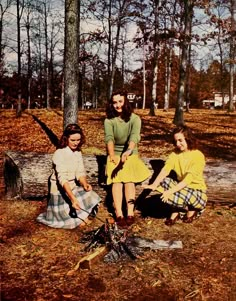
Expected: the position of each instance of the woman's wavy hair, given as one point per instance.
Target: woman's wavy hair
(188, 135)
(126, 110)
(71, 129)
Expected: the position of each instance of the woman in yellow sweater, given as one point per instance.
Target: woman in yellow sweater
(188, 194)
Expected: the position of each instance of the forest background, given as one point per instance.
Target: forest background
(170, 53)
(99, 55)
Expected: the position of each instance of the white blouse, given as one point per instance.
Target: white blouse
(68, 167)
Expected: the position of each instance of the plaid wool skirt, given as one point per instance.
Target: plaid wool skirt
(61, 214)
(186, 197)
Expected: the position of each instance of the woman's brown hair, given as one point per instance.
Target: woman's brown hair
(126, 109)
(188, 135)
(71, 129)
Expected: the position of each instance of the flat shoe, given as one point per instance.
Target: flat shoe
(189, 220)
(130, 220)
(121, 222)
(171, 221)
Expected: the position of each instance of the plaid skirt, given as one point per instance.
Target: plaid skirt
(61, 214)
(186, 197)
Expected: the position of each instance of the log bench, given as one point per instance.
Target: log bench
(26, 175)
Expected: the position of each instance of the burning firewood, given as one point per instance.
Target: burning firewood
(120, 245)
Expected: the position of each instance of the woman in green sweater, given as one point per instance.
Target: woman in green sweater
(188, 194)
(124, 167)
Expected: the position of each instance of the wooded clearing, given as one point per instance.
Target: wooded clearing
(36, 260)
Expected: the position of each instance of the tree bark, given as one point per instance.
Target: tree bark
(155, 57)
(19, 106)
(71, 62)
(232, 55)
(188, 13)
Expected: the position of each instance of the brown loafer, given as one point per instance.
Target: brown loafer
(172, 221)
(189, 219)
(121, 222)
(130, 220)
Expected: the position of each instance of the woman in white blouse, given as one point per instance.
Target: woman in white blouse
(71, 196)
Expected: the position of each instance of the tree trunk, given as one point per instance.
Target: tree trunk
(188, 14)
(144, 76)
(232, 55)
(19, 106)
(155, 57)
(71, 62)
(188, 76)
(154, 86)
(29, 72)
(168, 63)
(46, 57)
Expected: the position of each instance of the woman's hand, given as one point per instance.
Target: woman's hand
(125, 155)
(75, 205)
(166, 195)
(85, 184)
(114, 159)
(87, 187)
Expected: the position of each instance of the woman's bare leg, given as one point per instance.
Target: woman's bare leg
(130, 198)
(117, 193)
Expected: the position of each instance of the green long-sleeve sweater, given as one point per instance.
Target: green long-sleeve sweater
(121, 133)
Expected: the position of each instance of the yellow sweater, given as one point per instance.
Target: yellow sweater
(189, 166)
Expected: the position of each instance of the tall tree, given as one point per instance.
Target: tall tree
(169, 45)
(232, 54)
(122, 10)
(3, 11)
(184, 46)
(19, 9)
(72, 22)
(156, 48)
(45, 12)
(28, 22)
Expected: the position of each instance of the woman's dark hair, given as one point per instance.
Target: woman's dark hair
(71, 129)
(188, 135)
(126, 110)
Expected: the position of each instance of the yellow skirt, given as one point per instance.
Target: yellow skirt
(133, 170)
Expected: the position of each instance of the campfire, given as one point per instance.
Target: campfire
(121, 244)
(115, 239)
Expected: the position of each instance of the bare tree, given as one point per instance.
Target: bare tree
(28, 23)
(72, 20)
(3, 11)
(232, 54)
(123, 7)
(45, 12)
(188, 15)
(19, 8)
(156, 48)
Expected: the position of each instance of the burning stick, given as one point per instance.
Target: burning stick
(87, 261)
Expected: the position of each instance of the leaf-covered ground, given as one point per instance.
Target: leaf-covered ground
(36, 260)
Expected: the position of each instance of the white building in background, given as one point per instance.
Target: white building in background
(217, 101)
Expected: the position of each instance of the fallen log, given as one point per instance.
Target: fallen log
(26, 175)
